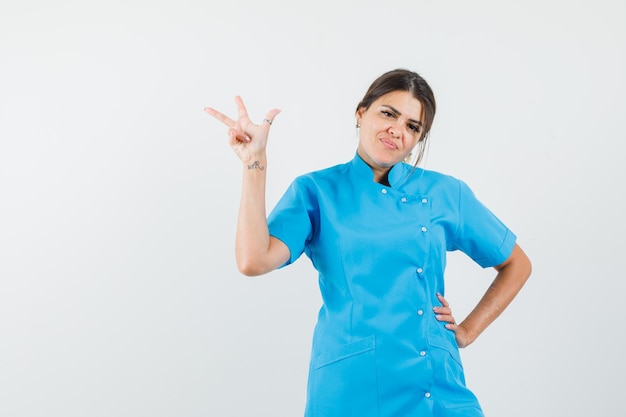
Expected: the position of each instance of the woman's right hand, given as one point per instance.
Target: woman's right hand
(247, 139)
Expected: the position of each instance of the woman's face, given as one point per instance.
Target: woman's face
(390, 129)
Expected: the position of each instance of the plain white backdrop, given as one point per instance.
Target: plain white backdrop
(119, 294)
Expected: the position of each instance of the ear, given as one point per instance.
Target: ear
(359, 115)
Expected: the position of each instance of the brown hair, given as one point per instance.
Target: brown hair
(405, 80)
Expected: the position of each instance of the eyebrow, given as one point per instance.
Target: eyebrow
(400, 114)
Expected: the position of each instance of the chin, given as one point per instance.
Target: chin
(387, 162)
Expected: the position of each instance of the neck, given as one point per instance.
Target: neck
(383, 179)
(381, 174)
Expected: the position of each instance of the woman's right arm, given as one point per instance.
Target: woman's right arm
(256, 251)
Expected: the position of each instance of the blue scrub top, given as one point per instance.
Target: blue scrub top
(381, 253)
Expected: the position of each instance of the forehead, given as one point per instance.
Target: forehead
(402, 101)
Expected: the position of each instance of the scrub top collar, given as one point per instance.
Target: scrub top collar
(364, 172)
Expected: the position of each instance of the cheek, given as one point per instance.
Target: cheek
(370, 131)
(378, 125)
(412, 141)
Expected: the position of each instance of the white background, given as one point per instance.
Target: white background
(119, 294)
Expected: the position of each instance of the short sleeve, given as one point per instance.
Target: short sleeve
(291, 219)
(480, 234)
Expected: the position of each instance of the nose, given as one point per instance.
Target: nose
(395, 130)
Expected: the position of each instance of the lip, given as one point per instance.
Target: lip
(389, 144)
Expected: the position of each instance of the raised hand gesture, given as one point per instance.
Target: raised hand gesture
(248, 140)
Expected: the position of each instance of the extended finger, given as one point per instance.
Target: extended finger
(220, 116)
(270, 116)
(443, 301)
(442, 310)
(241, 108)
(451, 326)
(445, 317)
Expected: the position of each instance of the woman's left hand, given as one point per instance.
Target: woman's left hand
(444, 315)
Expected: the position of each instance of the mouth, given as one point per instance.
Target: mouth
(388, 143)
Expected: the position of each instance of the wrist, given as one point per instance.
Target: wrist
(255, 162)
(255, 165)
(465, 335)
(261, 157)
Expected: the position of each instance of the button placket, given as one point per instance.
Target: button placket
(424, 201)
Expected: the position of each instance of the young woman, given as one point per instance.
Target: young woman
(377, 230)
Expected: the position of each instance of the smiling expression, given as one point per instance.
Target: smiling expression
(390, 128)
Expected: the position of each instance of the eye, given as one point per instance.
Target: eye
(415, 128)
(387, 113)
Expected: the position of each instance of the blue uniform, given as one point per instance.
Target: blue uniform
(381, 253)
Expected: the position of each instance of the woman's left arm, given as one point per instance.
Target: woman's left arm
(512, 274)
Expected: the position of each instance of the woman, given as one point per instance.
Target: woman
(377, 230)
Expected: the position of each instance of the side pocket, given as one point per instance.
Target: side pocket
(345, 351)
(450, 380)
(343, 381)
